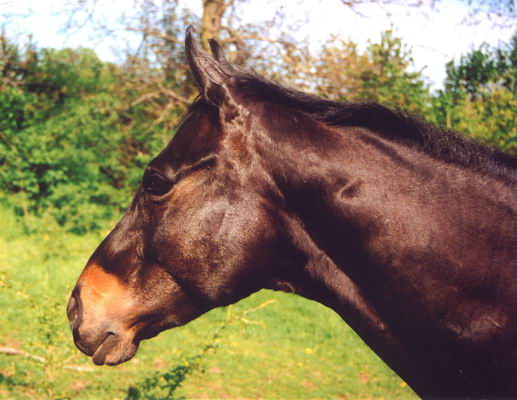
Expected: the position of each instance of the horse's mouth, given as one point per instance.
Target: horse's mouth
(117, 346)
(115, 349)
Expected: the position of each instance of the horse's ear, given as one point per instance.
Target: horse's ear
(212, 75)
(218, 53)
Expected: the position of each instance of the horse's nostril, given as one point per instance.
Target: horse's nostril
(72, 311)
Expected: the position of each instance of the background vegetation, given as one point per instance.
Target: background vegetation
(75, 135)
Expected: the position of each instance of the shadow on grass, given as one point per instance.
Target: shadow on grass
(12, 382)
(161, 386)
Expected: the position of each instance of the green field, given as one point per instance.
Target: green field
(268, 346)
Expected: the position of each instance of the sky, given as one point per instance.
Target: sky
(435, 36)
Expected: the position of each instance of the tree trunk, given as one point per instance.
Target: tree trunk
(213, 11)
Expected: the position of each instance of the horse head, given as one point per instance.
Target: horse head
(193, 238)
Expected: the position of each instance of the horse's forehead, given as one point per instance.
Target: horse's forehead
(197, 136)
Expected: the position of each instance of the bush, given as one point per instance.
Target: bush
(71, 145)
(480, 96)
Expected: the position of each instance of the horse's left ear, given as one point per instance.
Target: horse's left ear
(212, 75)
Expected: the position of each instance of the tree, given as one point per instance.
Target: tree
(72, 143)
(480, 95)
(381, 74)
(483, 70)
(500, 12)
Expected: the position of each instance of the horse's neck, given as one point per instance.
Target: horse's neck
(387, 236)
(316, 277)
(358, 195)
(385, 215)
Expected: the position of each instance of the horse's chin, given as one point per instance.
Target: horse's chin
(115, 350)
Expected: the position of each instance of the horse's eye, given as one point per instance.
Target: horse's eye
(155, 184)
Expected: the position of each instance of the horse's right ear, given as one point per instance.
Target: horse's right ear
(213, 76)
(219, 55)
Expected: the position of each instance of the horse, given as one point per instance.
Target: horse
(404, 229)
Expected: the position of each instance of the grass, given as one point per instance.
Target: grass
(270, 345)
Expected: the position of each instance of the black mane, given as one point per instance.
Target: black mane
(394, 125)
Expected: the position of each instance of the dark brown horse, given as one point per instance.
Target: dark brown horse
(407, 231)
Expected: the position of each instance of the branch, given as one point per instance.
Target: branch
(11, 351)
(172, 94)
(15, 352)
(234, 37)
(155, 33)
(145, 97)
(161, 90)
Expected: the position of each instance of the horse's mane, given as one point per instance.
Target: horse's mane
(392, 125)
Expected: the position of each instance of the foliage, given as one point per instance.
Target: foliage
(382, 74)
(71, 143)
(480, 95)
(484, 69)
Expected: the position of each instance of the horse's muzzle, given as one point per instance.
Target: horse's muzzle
(86, 340)
(98, 339)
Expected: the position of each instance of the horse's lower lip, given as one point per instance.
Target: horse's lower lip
(116, 349)
(99, 356)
